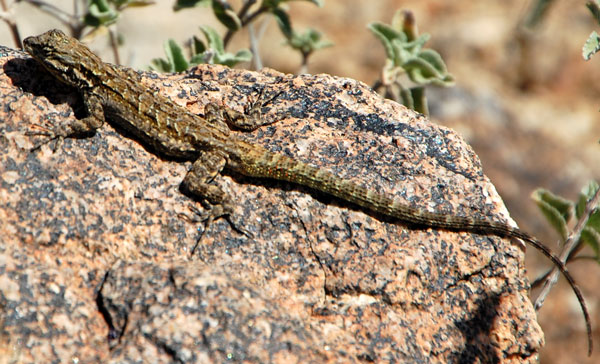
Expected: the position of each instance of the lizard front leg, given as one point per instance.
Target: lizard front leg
(76, 127)
(198, 182)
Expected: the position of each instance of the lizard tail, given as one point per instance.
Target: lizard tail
(259, 162)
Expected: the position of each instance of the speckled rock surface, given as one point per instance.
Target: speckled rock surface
(95, 238)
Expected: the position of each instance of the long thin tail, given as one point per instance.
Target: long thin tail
(516, 233)
(261, 163)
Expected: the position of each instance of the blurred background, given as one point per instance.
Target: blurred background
(525, 101)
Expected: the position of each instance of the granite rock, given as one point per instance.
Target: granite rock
(96, 237)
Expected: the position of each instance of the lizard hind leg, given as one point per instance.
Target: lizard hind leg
(252, 117)
(214, 199)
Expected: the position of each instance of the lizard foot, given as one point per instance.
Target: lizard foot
(49, 136)
(252, 117)
(207, 218)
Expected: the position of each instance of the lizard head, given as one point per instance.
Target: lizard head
(67, 59)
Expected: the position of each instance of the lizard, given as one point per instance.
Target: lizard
(113, 92)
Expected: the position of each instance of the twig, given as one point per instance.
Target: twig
(114, 44)
(256, 61)
(59, 14)
(7, 16)
(255, 36)
(244, 19)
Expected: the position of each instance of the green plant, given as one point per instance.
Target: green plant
(539, 10)
(106, 12)
(405, 55)
(560, 213)
(592, 44)
(213, 51)
(306, 43)
(101, 16)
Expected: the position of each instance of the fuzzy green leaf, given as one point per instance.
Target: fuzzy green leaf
(243, 55)
(537, 13)
(434, 59)
(562, 205)
(591, 232)
(100, 5)
(161, 65)
(213, 39)
(586, 194)
(175, 56)
(591, 237)
(593, 223)
(231, 60)
(435, 73)
(175, 61)
(184, 4)
(386, 34)
(401, 54)
(318, 3)
(594, 7)
(421, 72)
(398, 21)
(308, 42)
(275, 3)
(557, 210)
(214, 51)
(591, 46)
(415, 46)
(272, 4)
(122, 4)
(283, 20)
(200, 58)
(100, 13)
(198, 46)
(226, 15)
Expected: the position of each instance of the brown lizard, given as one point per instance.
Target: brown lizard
(114, 92)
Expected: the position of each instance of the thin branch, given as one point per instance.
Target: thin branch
(572, 257)
(256, 61)
(253, 15)
(255, 37)
(569, 244)
(245, 8)
(304, 65)
(7, 16)
(244, 19)
(376, 85)
(538, 281)
(241, 14)
(114, 44)
(62, 16)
